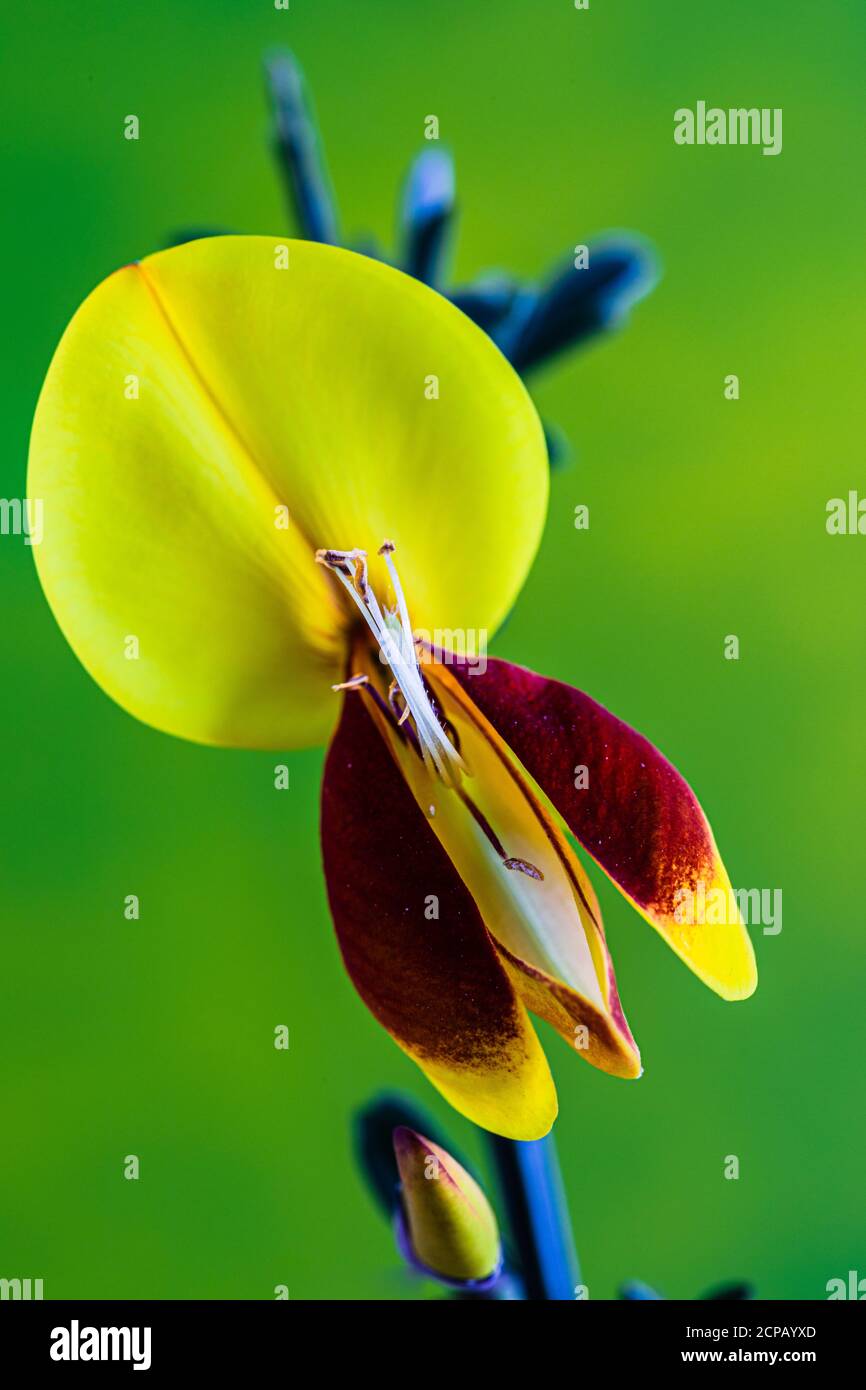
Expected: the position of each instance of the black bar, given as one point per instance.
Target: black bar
(222, 1338)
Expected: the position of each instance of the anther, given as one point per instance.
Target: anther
(523, 866)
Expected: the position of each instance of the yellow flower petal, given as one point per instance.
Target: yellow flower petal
(196, 395)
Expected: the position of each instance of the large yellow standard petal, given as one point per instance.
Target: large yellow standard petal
(216, 413)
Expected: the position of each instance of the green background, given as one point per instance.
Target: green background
(707, 518)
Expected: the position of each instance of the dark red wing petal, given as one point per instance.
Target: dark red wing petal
(631, 810)
(414, 944)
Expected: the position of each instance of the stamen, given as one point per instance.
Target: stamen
(364, 683)
(386, 551)
(392, 630)
(353, 683)
(452, 733)
(350, 567)
(400, 715)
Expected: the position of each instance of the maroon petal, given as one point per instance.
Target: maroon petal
(632, 810)
(415, 945)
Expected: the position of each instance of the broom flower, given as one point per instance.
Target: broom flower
(284, 486)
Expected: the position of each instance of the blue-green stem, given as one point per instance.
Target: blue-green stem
(540, 1227)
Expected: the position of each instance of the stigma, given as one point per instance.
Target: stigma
(392, 630)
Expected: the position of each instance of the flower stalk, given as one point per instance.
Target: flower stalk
(537, 1213)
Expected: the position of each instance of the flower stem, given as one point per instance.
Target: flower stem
(531, 1183)
(298, 151)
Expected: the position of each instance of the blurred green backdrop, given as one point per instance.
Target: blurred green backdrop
(707, 518)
